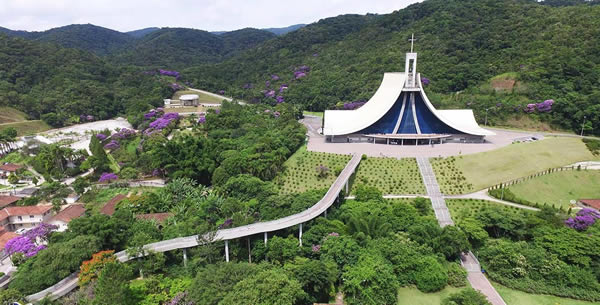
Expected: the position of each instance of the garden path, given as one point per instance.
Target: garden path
(477, 280)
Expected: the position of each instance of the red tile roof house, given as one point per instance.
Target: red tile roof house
(110, 207)
(15, 218)
(592, 203)
(8, 168)
(65, 216)
(8, 200)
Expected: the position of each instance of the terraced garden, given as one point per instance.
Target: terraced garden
(301, 171)
(450, 178)
(391, 175)
(463, 208)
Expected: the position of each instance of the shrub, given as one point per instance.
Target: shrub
(430, 275)
(467, 296)
(457, 275)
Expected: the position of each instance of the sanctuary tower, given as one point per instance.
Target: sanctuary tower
(400, 113)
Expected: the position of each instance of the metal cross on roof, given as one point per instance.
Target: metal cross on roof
(412, 41)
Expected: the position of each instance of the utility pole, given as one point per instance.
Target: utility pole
(486, 113)
(582, 125)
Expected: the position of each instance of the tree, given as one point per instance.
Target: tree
(269, 287)
(430, 275)
(370, 281)
(452, 242)
(281, 250)
(90, 269)
(366, 193)
(316, 277)
(214, 281)
(112, 286)
(474, 231)
(343, 250)
(13, 179)
(80, 184)
(467, 296)
(8, 134)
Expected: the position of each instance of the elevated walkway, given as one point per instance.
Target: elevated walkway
(69, 283)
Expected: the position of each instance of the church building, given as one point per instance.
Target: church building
(400, 113)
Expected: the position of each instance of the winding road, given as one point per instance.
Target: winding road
(69, 283)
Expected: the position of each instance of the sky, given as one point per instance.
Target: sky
(209, 15)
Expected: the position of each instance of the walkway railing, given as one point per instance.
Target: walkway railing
(66, 285)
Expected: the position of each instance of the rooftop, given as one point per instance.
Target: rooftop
(110, 206)
(594, 203)
(189, 97)
(69, 213)
(10, 167)
(8, 200)
(4, 238)
(24, 211)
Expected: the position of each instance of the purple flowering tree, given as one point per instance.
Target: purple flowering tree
(101, 136)
(267, 84)
(124, 133)
(283, 87)
(279, 99)
(202, 120)
(583, 219)
(29, 244)
(112, 145)
(221, 92)
(545, 106)
(425, 81)
(270, 93)
(108, 177)
(274, 77)
(248, 86)
(169, 73)
(299, 74)
(354, 105)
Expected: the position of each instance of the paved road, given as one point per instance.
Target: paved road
(212, 94)
(477, 280)
(70, 283)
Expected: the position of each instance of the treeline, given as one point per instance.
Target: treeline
(60, 85)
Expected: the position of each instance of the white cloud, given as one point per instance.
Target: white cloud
(213, 15)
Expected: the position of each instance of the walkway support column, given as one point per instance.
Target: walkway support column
(227, 251)
(265, 239)
(300, 235)
(184, 257)
(347, 183)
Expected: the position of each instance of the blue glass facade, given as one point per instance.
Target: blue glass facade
(428, 122)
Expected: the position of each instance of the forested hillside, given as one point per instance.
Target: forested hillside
(60, 84)
(542, 51)
(179, 47)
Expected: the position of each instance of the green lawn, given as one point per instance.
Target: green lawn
(95, 200)
(11, 115)
(514, 161)
(314, 113)
(300, 173)
(462, 208)
(27, 127)
(412, 296)
(516, 297)
(391, 175)
(559, 188)
(203, 98)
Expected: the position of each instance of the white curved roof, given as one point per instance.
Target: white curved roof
(340, 122)
(188, 97)
(462, 120)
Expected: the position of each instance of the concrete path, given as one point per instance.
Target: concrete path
(483, 195)
(477, 280)
(433, 190)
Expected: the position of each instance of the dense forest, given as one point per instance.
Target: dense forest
(503, 58)
(468, 49)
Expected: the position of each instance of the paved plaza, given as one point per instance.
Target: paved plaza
(317, 142)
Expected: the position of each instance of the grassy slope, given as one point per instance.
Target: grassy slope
(11, 115)
(462, 208)
(27, 127)
(412, 296)
(515, 297)
(300, 172)
(560, 187)
(203, 98)
(391, 176)
(519, 160)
